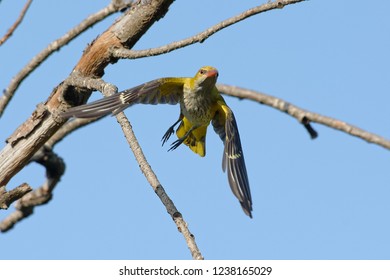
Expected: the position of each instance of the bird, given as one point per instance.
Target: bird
(200, 104)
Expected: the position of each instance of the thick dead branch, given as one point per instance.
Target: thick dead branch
(44, 122)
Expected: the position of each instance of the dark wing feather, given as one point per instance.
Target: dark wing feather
(233, 161)
(160, 91)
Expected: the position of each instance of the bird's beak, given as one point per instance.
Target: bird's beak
(212, 73)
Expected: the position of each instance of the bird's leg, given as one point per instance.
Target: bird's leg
(179, 141)
(170, 131)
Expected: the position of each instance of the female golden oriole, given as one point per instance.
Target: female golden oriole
(200, 103)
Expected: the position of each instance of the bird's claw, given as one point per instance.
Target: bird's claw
(176, 144)
(170, 131)
(167, 135)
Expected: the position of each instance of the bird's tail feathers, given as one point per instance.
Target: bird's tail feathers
(111, 104)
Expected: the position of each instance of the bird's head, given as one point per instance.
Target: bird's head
(206, 76)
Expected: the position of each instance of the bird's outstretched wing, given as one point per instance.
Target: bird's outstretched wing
(233, 162)
(163, 91)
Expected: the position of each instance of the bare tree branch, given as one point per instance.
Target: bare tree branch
(16, 24)
(201, 37)
(157, 187)
(55, 168)
(304, 116)
(9, 92)
(7, 198)
(108, 89)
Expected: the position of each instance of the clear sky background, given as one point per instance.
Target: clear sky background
(313, 199)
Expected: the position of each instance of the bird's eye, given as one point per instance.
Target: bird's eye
(202, 71)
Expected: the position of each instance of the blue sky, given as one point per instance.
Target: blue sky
(321, 199)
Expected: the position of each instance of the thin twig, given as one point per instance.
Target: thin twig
(54, 46)
(201, 37)
(303, 115)
(157, 187)
(146, 170)
(16, 24)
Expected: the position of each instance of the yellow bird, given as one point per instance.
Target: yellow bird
(200, 103)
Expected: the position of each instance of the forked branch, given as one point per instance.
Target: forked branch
(37, 60)
(201, 37)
